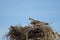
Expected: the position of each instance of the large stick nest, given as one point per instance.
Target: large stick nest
(36, 31)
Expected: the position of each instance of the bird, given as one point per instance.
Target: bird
(36, 22)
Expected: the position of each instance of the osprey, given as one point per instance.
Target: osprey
(36, 22)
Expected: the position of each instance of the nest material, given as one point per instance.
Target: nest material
(31, 32)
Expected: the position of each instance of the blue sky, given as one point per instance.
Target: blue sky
(13, 12)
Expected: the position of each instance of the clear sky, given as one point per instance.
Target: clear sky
(14, 12)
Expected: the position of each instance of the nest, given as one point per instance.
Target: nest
(31, 32)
